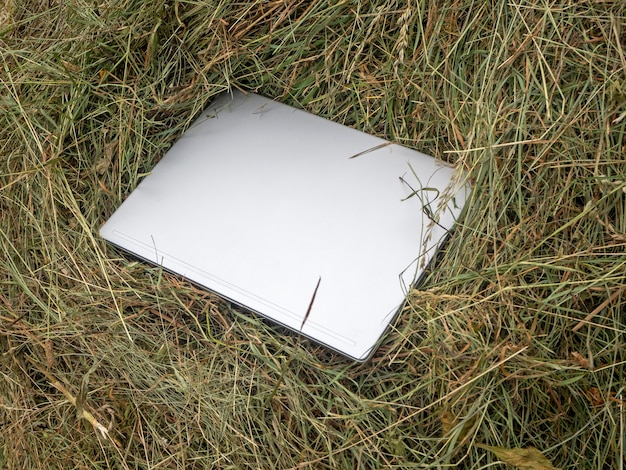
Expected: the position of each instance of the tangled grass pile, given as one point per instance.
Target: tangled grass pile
(516, 340)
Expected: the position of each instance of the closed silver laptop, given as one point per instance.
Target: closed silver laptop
(314, 225)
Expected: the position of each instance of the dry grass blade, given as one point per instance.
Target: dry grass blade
(308, 310)
(372, 149)
(527, 458)
(74, 401)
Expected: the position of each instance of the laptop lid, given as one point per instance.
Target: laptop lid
(307, 222)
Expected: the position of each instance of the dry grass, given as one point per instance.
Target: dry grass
(517, 339)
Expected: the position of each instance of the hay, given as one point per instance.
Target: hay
(515, 340)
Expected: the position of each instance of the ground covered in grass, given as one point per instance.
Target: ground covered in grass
(516, 339)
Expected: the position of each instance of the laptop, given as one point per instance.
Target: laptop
(311, 224)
